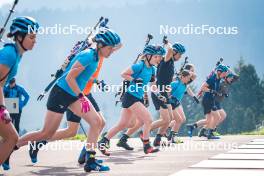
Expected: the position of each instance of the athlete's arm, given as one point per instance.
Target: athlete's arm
(169, 53)
(3, 71)
(205, 87)
(127, 74)
(190, 92)
(76, 69)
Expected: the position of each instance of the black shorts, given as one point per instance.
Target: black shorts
(59, 100)
(218, 105)
(175, 104)
(208, 105)
(158, 103)
(128, 100)
(71, 117)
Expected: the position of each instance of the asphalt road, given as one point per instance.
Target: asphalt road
(60, 158)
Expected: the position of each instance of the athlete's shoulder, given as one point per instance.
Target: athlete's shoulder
(87, 56)
(87, 52)
(8, 51)
(8, 55)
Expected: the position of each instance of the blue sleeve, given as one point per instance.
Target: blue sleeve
(174, 85)
(136, 67)
(25, 95)
(85, 57)
(7, 57)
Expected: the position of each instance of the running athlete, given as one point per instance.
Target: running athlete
(73, 121)
(210, 89)
(178, 89)
(221, 95)
(139, 75)
(10, 57)
(68, 94)
(165, 72)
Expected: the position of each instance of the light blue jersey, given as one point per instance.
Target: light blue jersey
(178, 89)
(140, 71)
(88, 59)
(10, 57)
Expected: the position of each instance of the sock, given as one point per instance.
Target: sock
(124, 137)
(90, 155)
(146, 142)
(173, 134)
(7, 160)
(158, 136)
(195, 125)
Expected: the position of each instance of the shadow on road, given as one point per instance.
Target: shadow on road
(53, 170)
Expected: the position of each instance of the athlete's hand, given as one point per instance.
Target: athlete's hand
(161, 97)
(4, 114)
(85, 105)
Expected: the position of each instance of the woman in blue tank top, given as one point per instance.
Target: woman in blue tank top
(10, 56)
(139, 75)
(68, 93)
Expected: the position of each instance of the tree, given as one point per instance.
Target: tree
(244, 106)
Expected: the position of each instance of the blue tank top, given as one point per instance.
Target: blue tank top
(178, 89)
(214, 84)
(140, 70)
(88, 59)
(9, 56)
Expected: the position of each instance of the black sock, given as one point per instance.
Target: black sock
(210, 131)
(195, 125)
(172, 134)
(158, 136)
(124, 137)
(16, 147)
(90, 155)
(40, 144)
(7, 160)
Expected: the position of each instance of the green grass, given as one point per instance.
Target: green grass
(256, 132)
(81, 137)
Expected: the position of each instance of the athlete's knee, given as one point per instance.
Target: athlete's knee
(102, 123)
(131, 124)
(96, 121)
(72, 132)
(12, 138)
(148, 122)
(122, 125)
(46, 134)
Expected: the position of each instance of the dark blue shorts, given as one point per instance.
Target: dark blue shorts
(209, 105)
(128, 100)
(158, 103)
(59, 100)
(175, 104)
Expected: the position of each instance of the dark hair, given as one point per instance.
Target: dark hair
(188, 66)
(185, 73)
(10, 35)
(13, 80)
